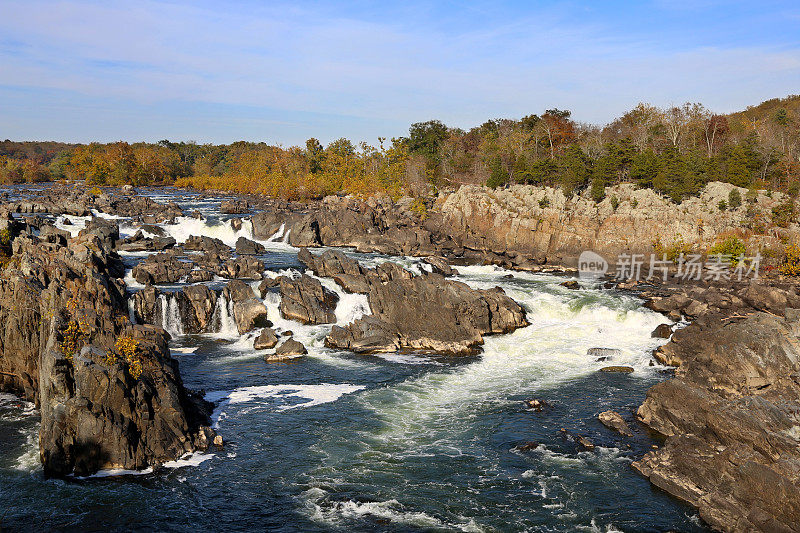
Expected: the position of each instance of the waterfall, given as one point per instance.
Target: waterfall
(132, 310)
(222, 320)
(275, 237)
(285, 239)
(170, 315)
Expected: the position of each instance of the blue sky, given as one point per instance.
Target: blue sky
(282, 72)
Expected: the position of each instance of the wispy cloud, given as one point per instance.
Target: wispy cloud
(283, 72)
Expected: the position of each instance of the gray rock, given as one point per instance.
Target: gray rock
(266, 340)
(613, 420)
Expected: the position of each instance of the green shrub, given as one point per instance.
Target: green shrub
(723, 205)
(730, 249)
(544, 202)
(634, 203)
(734, 199)
(783, 214)
(614, 202)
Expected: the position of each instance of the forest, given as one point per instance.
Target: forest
(674, 150)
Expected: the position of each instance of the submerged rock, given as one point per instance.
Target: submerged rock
(289, 348)
(606, 353)
(613, 420)
(617, 369)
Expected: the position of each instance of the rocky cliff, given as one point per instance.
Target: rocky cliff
(109, 393)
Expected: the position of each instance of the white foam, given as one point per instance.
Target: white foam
(189, 459)
(185, 227)
(116, 472)
(184, 349)
(323, 510)
(312, 394)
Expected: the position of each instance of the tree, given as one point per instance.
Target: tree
(715, 129)
(644, 167)
(558, 128)
(575, 171)
(424, 137)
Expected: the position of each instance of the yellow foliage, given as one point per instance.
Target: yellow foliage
(791, 263)
(128, 347)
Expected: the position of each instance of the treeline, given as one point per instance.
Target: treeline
(675, 151)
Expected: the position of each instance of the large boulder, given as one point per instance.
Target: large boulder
(245, 246)
(266, 340)
(165, 267)
(306, 300)
(250, 314)
(426, 313)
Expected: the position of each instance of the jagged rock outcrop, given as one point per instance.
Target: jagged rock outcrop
(530, 224)
(165, 267)
(306, 300)
(245, 246)
(234, 207)
(109, 393)
(425, 313)
(731, 421)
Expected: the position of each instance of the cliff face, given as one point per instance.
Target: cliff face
(543, 223)
(109, 393)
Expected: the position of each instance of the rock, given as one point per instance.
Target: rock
(243, 267)
(613, 420)
(617, 369)
(245, 246)
(237, 291)
(427, 314)
(100, 408)
(289, 348)
(306, 300)
(606, 353)
(265, 285)
(729, 418)
(439, 265)
(236, 224)
(662, 331)
(537, 404)
(571, 284)
(203, 301)
(266, 340)
(165, 267)
(585, 442)
(206, 244)
(250, 314)
(236, 207)
(347, 272)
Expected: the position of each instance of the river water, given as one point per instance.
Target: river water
(339, 441)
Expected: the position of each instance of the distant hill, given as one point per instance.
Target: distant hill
(40, 151)
(766, 110)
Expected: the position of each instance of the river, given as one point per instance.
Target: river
(399, 442)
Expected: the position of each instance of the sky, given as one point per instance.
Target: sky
(283, 72)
